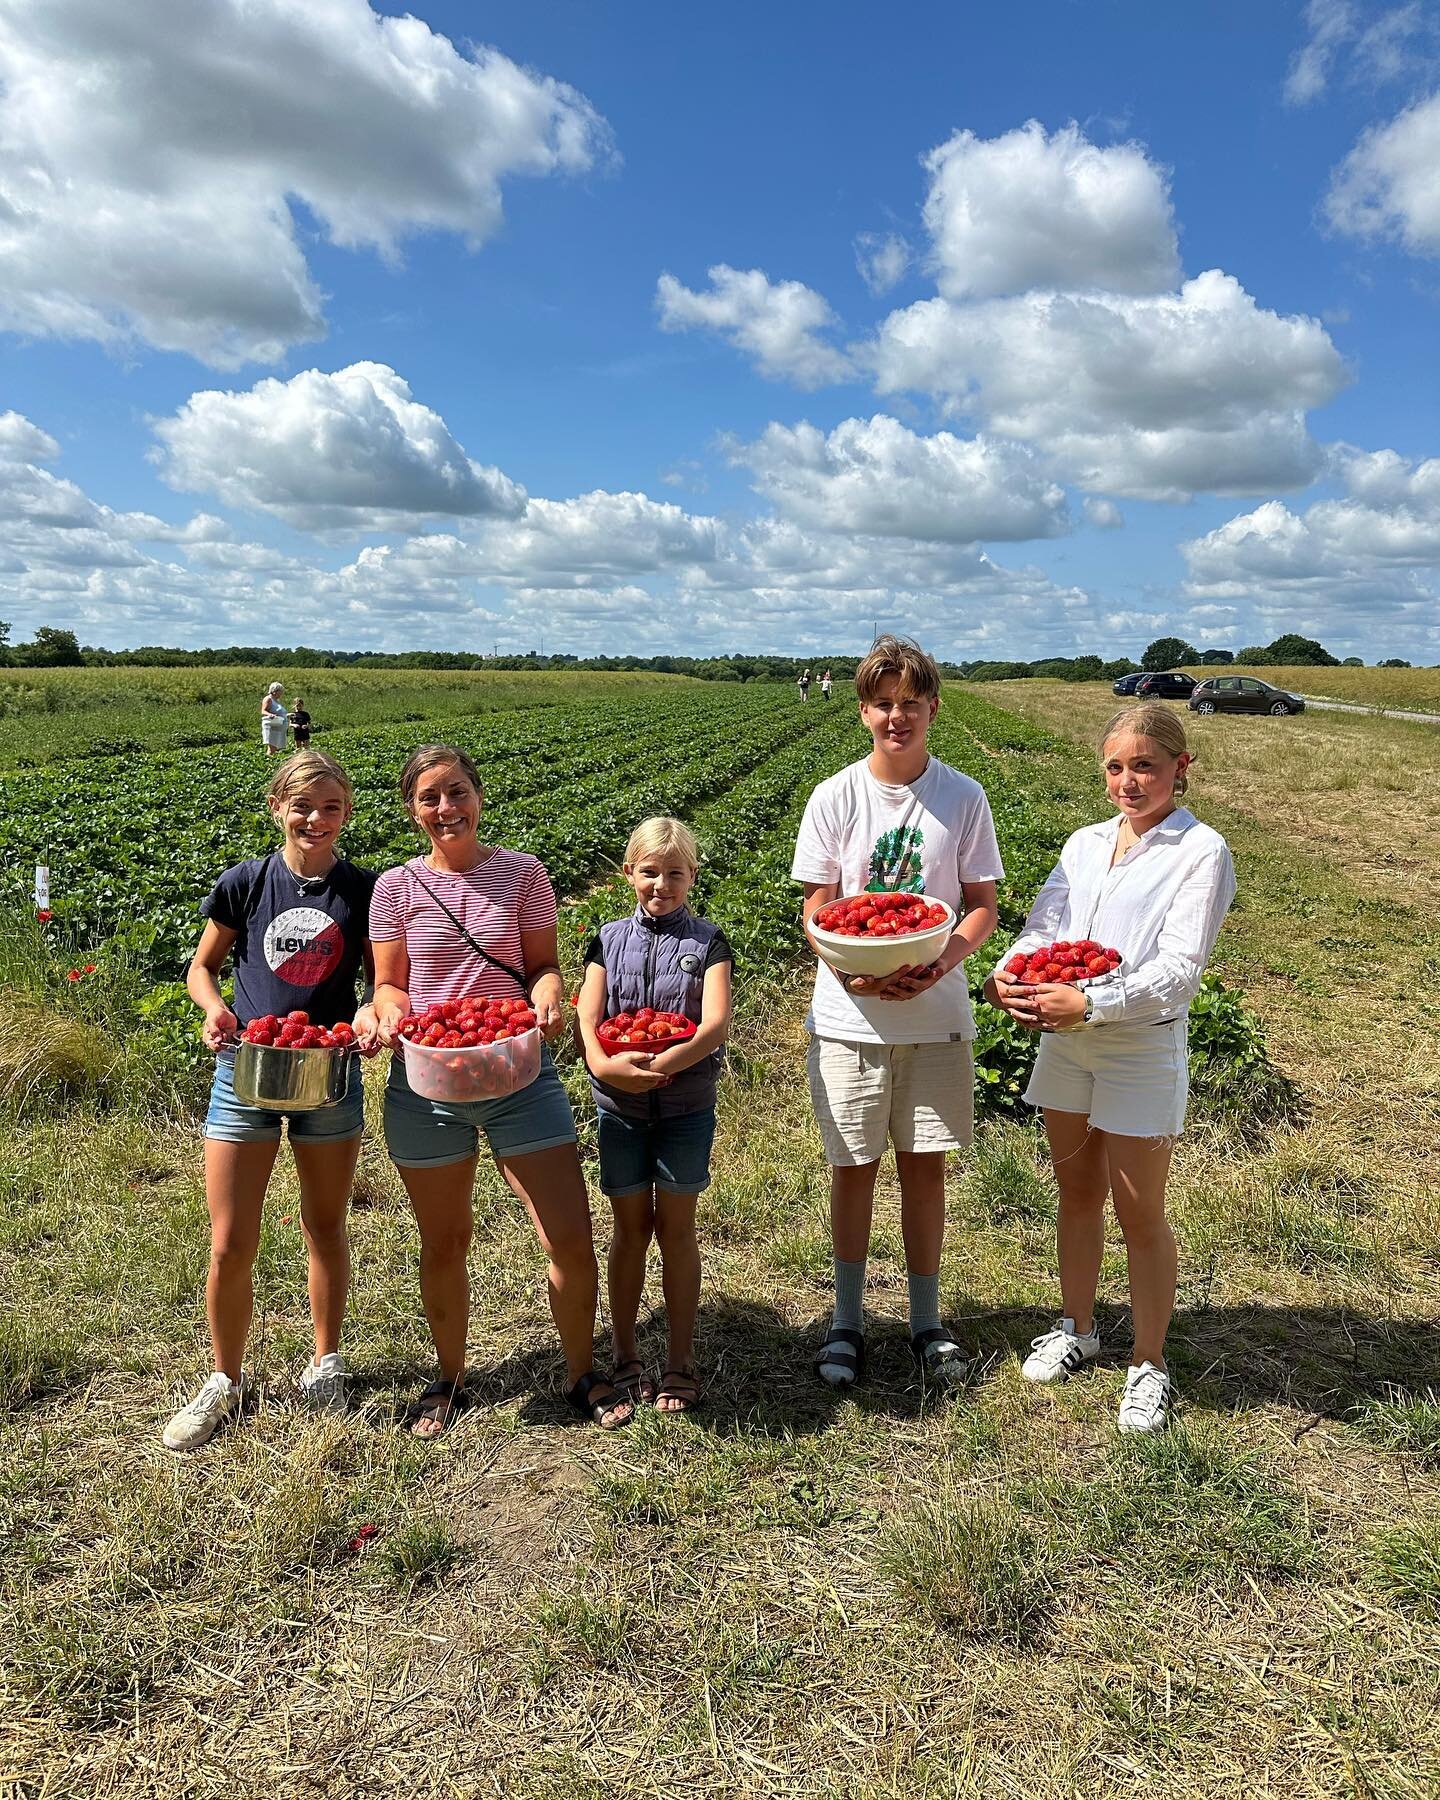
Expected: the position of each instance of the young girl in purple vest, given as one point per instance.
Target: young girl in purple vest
(657, 1112)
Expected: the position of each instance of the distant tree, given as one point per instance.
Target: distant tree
(1290, 648)
(1215, 658)
(1085, 668)
(4, 633)
(1255, 656)
(1353, 662)
(1168, 653)
(51, 648)
(1393, 662)
(1122, 665)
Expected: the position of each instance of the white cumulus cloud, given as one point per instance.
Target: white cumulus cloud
(777, 323)
(877, 476)
(1153, 395)
(1029, 209)
(349, 451)
(1389, 184)
(882, 258)
(150, 156)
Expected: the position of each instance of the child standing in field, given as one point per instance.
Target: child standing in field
(1112, 1074)
(657, 1112)
(296, 922)
(890, 1058)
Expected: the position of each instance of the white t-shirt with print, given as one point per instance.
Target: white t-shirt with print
(928, 836)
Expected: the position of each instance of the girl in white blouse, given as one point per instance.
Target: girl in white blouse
(1112, 1073)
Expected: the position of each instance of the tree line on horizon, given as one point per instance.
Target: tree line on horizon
(52, 647)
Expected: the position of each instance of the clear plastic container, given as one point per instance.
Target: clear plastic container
(479, 1072)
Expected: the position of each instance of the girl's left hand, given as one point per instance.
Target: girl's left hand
(1045, 1005)
(550, 1017)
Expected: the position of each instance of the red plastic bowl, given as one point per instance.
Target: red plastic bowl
(612, 1046)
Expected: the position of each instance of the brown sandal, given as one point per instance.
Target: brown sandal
(631, 1380)
(680, 1386)
(440, 1404)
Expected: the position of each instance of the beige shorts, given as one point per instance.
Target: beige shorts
(919, 1097)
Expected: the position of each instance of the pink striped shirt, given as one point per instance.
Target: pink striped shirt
(507, 893)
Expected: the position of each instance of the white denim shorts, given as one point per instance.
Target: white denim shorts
(1133, 1080)
(920, 1097)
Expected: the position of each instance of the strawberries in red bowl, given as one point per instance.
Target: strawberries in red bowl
(1074, 962)
(644, 1029)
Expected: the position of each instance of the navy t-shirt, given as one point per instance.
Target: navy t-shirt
(298, 942)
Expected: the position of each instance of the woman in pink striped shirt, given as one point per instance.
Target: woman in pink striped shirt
(469, 919)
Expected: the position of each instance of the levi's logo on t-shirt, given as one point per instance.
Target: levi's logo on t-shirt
(303, 946)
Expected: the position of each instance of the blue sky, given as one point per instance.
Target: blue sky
(350, 328)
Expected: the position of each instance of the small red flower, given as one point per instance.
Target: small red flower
(44, 915)
(90, 968)
(72, 975)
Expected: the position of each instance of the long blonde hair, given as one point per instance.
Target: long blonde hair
(1152, 719)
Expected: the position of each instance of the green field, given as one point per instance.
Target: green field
(788, 1593)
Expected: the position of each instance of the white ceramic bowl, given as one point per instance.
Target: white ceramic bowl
(883, 956)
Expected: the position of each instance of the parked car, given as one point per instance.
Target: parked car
(1172, 685)
(1128, 683)
(1243, 693)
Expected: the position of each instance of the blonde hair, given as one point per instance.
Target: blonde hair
(303, 770)
(918, 672)
(1151, 719)
(662, 836)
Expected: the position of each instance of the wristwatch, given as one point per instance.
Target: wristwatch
(1089, 1018)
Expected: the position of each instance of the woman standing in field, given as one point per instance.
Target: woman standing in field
(274, 720)
(295, 922)
(472, 919)
(1112, 1074)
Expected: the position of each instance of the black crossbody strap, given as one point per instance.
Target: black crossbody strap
(479, 949)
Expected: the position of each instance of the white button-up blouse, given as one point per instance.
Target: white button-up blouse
(1161, 907)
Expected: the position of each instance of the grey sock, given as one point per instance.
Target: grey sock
(924, 1301)
(849, 1296)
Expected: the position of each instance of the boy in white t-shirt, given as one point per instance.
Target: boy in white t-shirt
(890, 1057)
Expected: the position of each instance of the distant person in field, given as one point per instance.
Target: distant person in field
(472, 919)
(657, 1111)
(300, 725)
(274, 720)
(890, 1058)
(825, 685)
(295, 925)
(803, 683)
(1112, 1073)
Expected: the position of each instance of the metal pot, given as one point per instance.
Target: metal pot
(290, 1080)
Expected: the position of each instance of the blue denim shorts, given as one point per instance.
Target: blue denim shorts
(232, 1122)
(421, 1133)
(638, 1154)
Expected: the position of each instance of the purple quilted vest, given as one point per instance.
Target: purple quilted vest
(659, 963)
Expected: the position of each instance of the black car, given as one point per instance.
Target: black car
(1128, 683)
(1172, 685)
(1243, 693)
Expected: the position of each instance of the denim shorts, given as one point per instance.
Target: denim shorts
(638, 1154)
(424, 1134)
(232, 1122)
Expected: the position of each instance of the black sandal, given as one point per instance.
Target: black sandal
(678, 1384)
(456, 1400)
(939, 1357)
(631, 1380)
(579, 1397)
(842, 1349)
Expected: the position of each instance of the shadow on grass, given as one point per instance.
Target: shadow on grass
(759, 1377)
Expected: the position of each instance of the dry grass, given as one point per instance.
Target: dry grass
(791, 1593)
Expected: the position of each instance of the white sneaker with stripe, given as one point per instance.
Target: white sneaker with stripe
(1056, 1354)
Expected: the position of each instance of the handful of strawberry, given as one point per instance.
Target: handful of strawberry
(462, 1024)
(295, 1032)
(1078, 962)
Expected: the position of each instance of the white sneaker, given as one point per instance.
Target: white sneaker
(1058, 1353)
(196, 1423)
(325, 1384)
(1149, 1395)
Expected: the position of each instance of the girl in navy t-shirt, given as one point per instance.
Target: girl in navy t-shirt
(296, 925)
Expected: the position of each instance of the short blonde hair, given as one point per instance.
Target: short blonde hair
(662, 836)
(1151, 719)
(918, 672)
(303, 770)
